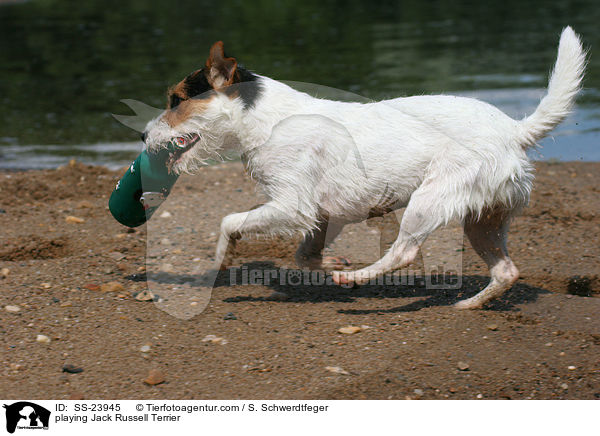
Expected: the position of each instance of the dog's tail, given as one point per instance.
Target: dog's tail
(565, 82)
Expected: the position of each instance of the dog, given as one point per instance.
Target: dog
(323, 163)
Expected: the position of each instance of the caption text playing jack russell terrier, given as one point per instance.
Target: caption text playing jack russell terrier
(323, 163)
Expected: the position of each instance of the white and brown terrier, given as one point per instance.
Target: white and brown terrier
(442, 157)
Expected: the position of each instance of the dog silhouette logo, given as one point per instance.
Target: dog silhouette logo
(26, 415)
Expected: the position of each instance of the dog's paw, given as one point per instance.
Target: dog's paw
(335, 263)
(342, 278)
(468, 304)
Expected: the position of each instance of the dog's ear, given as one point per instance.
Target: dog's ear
(220, 69)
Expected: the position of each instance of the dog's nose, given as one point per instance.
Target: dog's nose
(143, 136)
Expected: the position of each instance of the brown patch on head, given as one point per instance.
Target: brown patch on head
(195, 85)
(185, 110)
(192, 94)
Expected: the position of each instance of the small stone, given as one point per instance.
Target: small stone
(165, 241)
(349, 330)
(165, 214)
(337, 370)
(463, 366)
(92, 287)
(479, 396)
(16, 367)
(145, 348)
(74, 220)
(279, 296)
(166, 268)
(112, 287)
(115, 255)
(71, 369)
(214, 339)
(45, 285)
(12, 309)
(564, 386)
(42, 339)
(419, 392)
(230, 316)
(66, 304)
(155, 377)
(571, 368)
(492, 327)
(76, 396)
(549, 344)
(84, 204)
(144, 295)
(4, 272)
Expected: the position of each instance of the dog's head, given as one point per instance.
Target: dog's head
(201, 112)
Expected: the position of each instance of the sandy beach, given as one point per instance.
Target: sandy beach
(71, 273)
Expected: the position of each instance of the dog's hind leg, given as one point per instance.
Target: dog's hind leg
(488, 237)
(310, 251)
(419, 220)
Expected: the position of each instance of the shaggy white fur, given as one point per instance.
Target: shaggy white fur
(443, 157)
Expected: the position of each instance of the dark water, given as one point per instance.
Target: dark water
(65, 65)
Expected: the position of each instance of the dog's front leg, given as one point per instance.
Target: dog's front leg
(269, 219)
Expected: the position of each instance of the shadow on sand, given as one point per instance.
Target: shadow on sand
(312, 292)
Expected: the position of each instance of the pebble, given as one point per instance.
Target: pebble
(112, 287)
(167, 268)
(115, 255)
(155, 377)
(13, 309)
(145, 348)
(84, 204)
(419, 392)
(571, 368)
(463, 366)
(92, 287)
(337, 370)
(165, 241)
(493, 327)
(230, 316)
(43, 339)
(16, 367)
(279, 296)
(564, 386)
(71, 369)
(74, 220)
(76, 396)
(144, 295)
(66, 304)
(4, 272)
(165, 214)
(214, 339)
(479, 396)
(349, 330)
(45, 285)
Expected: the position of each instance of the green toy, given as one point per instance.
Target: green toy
(145, 186)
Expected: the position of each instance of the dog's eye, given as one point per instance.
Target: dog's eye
(180, 142)
(175, 100)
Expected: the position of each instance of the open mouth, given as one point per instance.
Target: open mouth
(178, 146)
